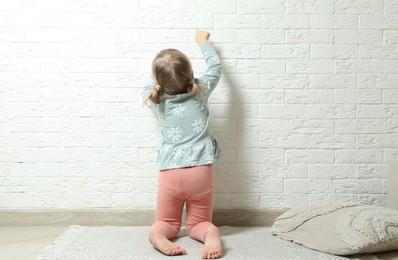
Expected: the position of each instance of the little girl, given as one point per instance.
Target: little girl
(188, 148)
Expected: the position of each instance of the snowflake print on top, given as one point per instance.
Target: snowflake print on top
(179, 110)
(179, 152)
(198, 125)
(175, 133)
(166, 147)
(192, 160)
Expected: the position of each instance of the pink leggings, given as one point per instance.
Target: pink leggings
(193, 186)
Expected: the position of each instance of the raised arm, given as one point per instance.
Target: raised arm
(146, 90)
(213, 72)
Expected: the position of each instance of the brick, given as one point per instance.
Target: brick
(258, 6)
(283, 201)
(261, 66)
(246, 111)
(391, 7)
(283, 141)
(377, 81)
(134, 200)
(390, 37)
(332, 81)
(227, 170)
(282, 111)
(34, 200)
(331, 111)
(376, 111)
(357, 186)
(308, 186)
(167, 36)
(334, 52)
(350, 96)
(237, 21)
(309, 66)
(331, 171)
(285, 171)
(227, 186)
(359, 37)
(390, 125)
(261, 36)
(333, 21)
(372, 199)
(310, 126)
(377, 141)
(87, 200)
(225, 36)
(85, 169)
(110, 185)
(316, 199)
(36, 169)
(230, 201)
(311, 6)
(310, 36)
(358, 126)
(263, 95)
(266, 125)
(378, 52)
(310, 156)
(359, 7)
(260, 155)
(189, 21)
(240, 51)
(390, 155)
(285, 52)
(291, 81)
(391, 66)
(284, 21)
(163, 6)
(359, 156)
(332, 141)
(309, 96)
(378, 22)
(213, 6)
(257, 185)
(370, 171)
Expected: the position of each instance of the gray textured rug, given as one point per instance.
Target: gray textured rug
(127, 243)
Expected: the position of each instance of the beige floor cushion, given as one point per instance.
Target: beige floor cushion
(340, 229)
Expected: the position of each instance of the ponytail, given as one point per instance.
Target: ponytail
(194, 88)
(156, 95)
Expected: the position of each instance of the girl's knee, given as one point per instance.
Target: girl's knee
(170, 230)
(199, 230)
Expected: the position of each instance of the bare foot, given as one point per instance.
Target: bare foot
(161, 243)
(212, 248)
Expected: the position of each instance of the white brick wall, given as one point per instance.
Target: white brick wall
(306, 110)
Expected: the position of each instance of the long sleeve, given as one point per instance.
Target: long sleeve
(213, 72)
(145, 91)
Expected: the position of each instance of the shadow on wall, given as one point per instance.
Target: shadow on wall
(227, 115)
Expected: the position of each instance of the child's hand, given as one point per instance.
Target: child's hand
(202, 37)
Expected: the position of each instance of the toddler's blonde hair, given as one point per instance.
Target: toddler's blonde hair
(173, 75)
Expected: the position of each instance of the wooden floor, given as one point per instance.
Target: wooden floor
(26, 242)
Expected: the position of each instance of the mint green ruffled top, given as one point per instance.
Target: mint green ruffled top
(186, 138)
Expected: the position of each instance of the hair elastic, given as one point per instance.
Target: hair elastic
(191, 81)
(157, 87)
